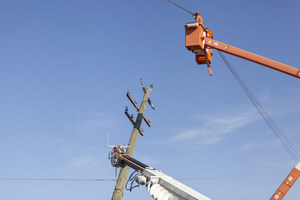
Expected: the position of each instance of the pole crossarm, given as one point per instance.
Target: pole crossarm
(137, 108)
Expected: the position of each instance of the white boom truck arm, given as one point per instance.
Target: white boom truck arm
(161, 186)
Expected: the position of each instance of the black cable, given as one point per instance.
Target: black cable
(131, 179)
(260, 109)
(290, 147)
(181, 7)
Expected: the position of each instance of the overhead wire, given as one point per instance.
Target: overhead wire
(132, 175)
(289, 146)
(181, 7)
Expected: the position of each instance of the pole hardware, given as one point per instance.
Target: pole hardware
(130, 117)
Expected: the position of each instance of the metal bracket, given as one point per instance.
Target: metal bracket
(207, 62)
(130, 117)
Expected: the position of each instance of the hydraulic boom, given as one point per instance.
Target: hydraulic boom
(199, 40)
(287, 183)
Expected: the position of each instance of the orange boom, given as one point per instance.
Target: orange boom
(287, 183)
(198, 39)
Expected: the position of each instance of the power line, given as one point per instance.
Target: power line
(181, 7)
(290, 147)
(107, 180)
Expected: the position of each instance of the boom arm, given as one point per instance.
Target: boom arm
(287, 183)
(198, 39)
(252, 57)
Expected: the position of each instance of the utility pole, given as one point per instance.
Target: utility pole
(122, 178)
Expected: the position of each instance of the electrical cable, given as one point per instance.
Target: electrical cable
(131, 179)
(278, 133)
(97, 179)
(290, 147)
(182, 8)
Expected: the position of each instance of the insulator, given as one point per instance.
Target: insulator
(156, 189)
(165, 195)
(192, 25)
(160, 193)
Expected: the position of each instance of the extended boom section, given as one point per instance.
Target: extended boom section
(252, 57)
(287, 183)
(175, 187)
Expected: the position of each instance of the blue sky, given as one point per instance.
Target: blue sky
(66, 67)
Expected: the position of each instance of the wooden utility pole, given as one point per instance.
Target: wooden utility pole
(122, 178)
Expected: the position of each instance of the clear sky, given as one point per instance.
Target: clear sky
(65, 68)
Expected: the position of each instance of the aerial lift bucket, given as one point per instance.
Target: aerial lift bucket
(195, 35)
